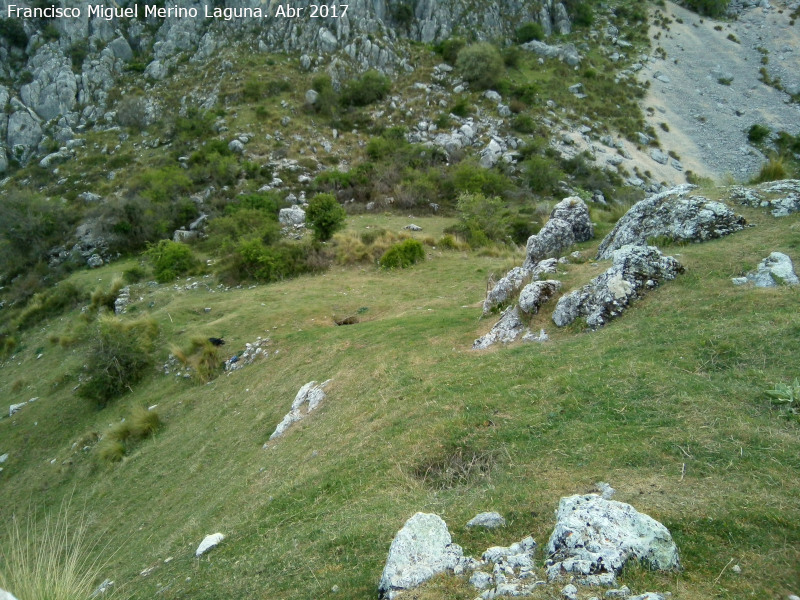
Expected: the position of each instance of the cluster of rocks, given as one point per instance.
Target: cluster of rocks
(775, 270)
(15, 408)
(249, 355)
(781, 197)
(569, 222)
(594, 537)
(305, 402)
(173, 366)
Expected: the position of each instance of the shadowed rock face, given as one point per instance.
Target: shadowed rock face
(555, 237)
(674, 215)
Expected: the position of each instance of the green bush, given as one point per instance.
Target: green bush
(132, 112)
(49, 303)
(481, 65)
(14, 32)
(370, 87)
(253, 259)
(757, 133)
(582, 14)
(402, 255)
(450, 48)
(170, 259)
(101, 298)
(773, 170)
(542, 175)
(325, 216)
(711, 8)
(523, 124)
(529, 32)
(119, 358)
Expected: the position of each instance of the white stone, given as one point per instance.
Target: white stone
(488, 520)
(209, 542)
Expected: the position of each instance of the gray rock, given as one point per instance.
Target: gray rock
(492, 96)
(156, 70)
(55, 158)
(412, 227)
(634, 270)
(652, 596)
(740, 280)
(480, 580)
(4, 595)
(568, 53)
(311, 97)
(505, 331)
(761, 196)
(236, 146)
(505, 289)
(121, 49)
(544, 267)
(487, 520)
(555, 237)
(569, 592)
(102, 588)
(535, 294)
(24, 133)
(575, 212)
(594, 538)
(658, 156)
(209, 542)
(94, 261)
(53, 91)
(183, 235)
(420, 550)
(3, 458)
(777, 269)
(671, 214)
(530, 338)
(306, 401)
(622, 592)
(289, 217)
(576, 88)
(491, 154)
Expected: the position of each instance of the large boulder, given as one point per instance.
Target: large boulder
(420, 550)
(24, 135)
(634, 270)
(555, 237)
(594, 538)
(575, 212)
(505, 331)
(290, 217)
(505, 289)
(673, 215)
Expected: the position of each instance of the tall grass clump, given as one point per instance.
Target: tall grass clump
(140, 424)
(402, 255)
(101, 298)
(773, 170)
(49, 560)
(203, 359)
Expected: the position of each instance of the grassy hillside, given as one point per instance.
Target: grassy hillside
(667, 404)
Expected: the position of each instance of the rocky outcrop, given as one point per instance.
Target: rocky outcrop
(505, 331)
(420, 550)
(556, 236)
(574, 211)
(53, 91)
(306, 401)
(23, 136)
(782, 198)
(534, 295)
(567, 53)
(674, 215)
(292, 217)
(512, 571)
(777, 269)
(634, 270)
(594, 538)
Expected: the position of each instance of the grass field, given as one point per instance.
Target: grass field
(667, 404)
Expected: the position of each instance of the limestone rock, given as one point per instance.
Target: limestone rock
(487, 520)
(634, 269)
(555, 237)
(674, 215)
(420, 550)
(505, 331)
(535, 294)
(575, 212)
(505, 289)
(209, 542)
(289, 217)
(787, 202)
(306, 401)
(23, 136)
(594, 538)
(53, 91)
(4, 595)
(777, 269)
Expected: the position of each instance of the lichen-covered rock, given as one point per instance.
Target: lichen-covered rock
(535, 294)
(289, 217)
(505, 331)
(781, 197)
(634, 270)
(575, 212)
(505, 289)
(306, 401)
(420, 550)
(555, 237)
(594, 538)
(674, 215)
(487, 520)
(777, 269)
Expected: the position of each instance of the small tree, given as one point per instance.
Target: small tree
(325, 216)
(481, 64)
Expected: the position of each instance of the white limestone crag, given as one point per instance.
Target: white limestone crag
(307, 400)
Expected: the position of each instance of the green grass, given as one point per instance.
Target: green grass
(677, 382)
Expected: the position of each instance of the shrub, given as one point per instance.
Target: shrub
(773, 170)
(134, 275)
(202, 358)
(710, 8)
(542, 175)
(529, 32)
(481, 65)
(143, 422)
(523, 124)
(450, 48)
(370, 87)
(787, 395)
(582, 14)
(325, 216)
(132, 112)
(101, 298)
(327, 99)
(119, 358)
(402, 255)
(170, 259)
(14, 32)
(111, 450)
(461, 108)
(49, 303)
